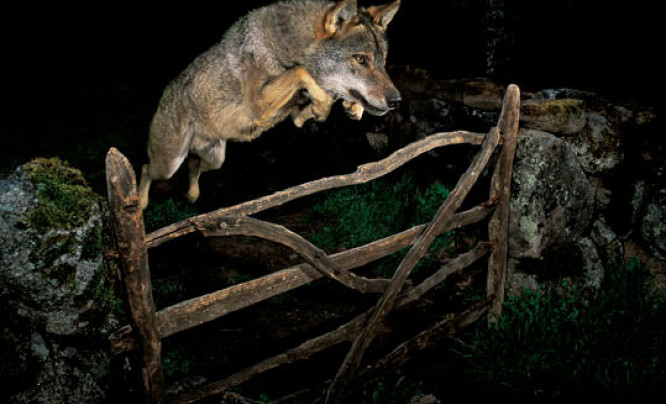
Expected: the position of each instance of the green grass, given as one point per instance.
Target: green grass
(375, 210)
(176, 363)
(162, 213)
(361, 214)
(553, 346)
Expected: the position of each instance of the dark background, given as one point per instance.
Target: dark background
(603, 46)
(73, 71)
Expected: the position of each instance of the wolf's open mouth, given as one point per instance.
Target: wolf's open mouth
(370, 108)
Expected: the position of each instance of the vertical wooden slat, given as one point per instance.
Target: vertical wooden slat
(500, 190)
(130, 236)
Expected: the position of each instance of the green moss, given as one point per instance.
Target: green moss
(93, 244)
(567, 108)
(65, 196)
(106, 294)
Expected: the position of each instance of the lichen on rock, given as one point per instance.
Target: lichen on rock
(564, 116)
(552, 201)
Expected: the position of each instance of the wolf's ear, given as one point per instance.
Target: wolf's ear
(382, 15)
(336, 17)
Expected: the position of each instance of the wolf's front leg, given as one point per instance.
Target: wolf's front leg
(272, 101)
(313, 110)
(318, 108)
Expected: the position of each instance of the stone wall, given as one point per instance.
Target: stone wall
(588, 174)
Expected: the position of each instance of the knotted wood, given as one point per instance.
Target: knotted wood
(148, 327)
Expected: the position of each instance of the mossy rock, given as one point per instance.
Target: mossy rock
(55, 282)
(53, 225)
(65, 197)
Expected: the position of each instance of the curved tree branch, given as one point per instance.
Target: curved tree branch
(247, 226)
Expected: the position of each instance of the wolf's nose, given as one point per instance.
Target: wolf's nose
(393, 103)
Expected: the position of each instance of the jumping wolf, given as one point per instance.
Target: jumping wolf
(293, 57)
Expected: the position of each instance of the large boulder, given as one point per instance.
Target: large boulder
(54, 286)
(552, 201)
(551, 208)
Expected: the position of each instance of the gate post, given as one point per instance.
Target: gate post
(500, 190)
(130, 237)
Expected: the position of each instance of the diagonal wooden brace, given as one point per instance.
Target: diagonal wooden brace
(442, 218)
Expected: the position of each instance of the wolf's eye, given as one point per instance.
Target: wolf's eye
(361, 59)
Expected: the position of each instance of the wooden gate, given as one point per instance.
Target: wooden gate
(149, 326)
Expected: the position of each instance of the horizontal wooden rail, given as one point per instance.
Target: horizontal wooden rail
(199, 310)
(346, 332)
(364, 173)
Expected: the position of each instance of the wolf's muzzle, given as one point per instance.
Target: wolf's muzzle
(394, 103)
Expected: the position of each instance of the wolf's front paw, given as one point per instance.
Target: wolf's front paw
(354, 110)
(300, 117)
(321, 106)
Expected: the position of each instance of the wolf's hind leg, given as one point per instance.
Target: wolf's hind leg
(208, 158)
(144, 186)
(303, 115)
(156, 170)
(167, 149)
(194, 171)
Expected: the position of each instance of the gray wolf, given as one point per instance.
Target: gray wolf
(290, 58)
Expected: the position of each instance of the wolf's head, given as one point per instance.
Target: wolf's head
(349, 57)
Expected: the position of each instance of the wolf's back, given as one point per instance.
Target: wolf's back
(276, 35)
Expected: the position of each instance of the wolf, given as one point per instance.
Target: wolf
(292, 58)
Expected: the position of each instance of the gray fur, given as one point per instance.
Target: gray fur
(293, 57)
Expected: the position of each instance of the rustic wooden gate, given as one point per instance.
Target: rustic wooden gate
(149, 326)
